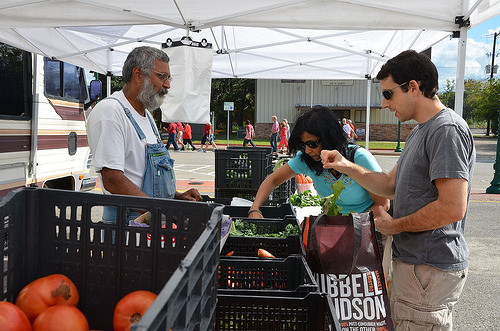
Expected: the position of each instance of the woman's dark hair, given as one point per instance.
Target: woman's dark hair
(321, 122)
(248, 122)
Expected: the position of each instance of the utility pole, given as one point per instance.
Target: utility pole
(495, 183)
(495, 35)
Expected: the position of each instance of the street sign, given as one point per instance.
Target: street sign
(229, 106)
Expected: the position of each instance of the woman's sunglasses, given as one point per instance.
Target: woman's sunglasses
(388, 93)
(310, 144)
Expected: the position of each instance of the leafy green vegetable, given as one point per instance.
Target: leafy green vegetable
(278, 164)
(305, 199)
(328, 204)
(247, 229)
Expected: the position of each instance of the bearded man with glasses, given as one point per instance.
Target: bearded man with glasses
(430, 186)
(127, 150)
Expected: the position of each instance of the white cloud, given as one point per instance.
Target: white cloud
(444, 56)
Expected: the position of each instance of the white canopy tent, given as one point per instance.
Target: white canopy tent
(293, 39)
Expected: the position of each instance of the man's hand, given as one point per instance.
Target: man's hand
(190, 195)
(334, 160)
(384, 223)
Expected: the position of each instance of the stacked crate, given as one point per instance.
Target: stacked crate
(176, 256)
(239, 171)
(269, 293)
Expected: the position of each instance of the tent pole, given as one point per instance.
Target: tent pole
(459, 84)
(312, 91)
(368, 101)
(109, 68)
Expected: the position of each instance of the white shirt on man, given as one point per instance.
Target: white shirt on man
(113, 140)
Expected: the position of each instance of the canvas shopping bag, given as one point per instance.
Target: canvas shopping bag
(343, 252)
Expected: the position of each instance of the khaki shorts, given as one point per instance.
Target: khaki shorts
(423, 297)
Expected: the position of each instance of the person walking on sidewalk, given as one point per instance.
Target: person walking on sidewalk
(187, 136)
(283, 138)
(430, 185)
(274, 135)
(172, 133)
(208, 138)
(250, 133)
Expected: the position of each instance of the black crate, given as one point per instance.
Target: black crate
(249, 246)
(290, 274)
(275, 310)
(270, 212)
(283, 192)
(52, 231)
(241, 168)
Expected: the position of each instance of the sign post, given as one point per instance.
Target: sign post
(228, 106)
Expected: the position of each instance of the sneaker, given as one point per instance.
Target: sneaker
(200, 150)
(213, 150)
(204, 151)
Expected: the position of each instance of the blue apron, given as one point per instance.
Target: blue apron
(159, 177)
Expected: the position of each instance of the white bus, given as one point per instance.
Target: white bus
(43, 138)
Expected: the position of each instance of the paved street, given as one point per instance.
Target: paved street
(478, 307)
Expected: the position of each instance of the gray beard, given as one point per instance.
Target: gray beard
(149, 98)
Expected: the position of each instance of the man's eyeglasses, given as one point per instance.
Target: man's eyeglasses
(310, 144)
(388, 93)
(162, 75)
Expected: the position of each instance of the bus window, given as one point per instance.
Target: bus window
(63, 81)
(15, 80)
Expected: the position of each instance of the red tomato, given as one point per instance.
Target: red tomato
(12, 318)
(45, 292)
(130, 309)
(61, 317)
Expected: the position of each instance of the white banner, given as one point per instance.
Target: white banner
(188, 99)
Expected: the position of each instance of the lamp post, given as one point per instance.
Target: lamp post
(495, 183)
(398, 147)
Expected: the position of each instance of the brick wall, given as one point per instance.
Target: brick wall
(386, 132)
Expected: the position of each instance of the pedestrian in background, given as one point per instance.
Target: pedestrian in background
(172, 132)
(250, 134)
(274, 135)
(186, 137)
(283, 138)
(208, 138)
(178, 136)
(352, 134)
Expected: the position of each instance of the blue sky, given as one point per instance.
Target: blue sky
(479, 43)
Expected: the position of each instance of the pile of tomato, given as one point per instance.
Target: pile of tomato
(50, 303)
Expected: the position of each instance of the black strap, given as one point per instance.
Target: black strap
(356, 223)
(351, 151)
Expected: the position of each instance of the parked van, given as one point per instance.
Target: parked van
(43, 138)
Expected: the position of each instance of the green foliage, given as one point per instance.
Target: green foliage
(481, 100)
(328, 204)
(488, 103)
(305, 199)
(237, 90)
(448, 96)
(246, 229)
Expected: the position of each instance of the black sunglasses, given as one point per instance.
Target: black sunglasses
(310, 144)
(388, 93)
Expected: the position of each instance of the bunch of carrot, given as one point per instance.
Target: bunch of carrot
(301, 179)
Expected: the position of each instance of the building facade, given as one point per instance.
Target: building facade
(346, 98)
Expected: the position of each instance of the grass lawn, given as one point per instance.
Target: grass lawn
(264, 142)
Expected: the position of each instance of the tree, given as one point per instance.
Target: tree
(488, 103)
(237, 90)
(448, 96)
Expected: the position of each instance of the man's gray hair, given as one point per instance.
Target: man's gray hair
(144, 58)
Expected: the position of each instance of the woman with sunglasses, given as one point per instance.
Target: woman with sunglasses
(315, 130)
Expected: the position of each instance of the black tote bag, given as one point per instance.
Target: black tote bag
(343, 252)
